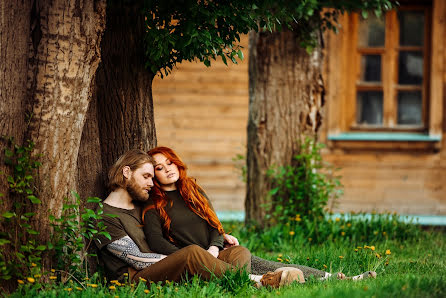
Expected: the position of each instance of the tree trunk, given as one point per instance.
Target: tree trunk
(285, 102)
(66, 56)
(14, 35)
(124, 86)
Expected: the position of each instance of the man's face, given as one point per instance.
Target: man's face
(140, 182)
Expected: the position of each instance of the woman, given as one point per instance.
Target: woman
(182, 215)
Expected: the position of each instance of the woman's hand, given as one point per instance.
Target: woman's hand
(213, 250)
(229, 241)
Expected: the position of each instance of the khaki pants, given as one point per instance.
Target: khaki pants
(194, 260)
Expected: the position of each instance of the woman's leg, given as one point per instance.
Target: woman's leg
(262, 266)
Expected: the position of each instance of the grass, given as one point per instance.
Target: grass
(415, 267)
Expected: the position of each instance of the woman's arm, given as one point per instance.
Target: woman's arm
(154, 234)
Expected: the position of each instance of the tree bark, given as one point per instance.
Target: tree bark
(66, 56)
(14, 35)
(124, 86)
(285, 102)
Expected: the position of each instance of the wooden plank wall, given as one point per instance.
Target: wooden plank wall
(202, 114)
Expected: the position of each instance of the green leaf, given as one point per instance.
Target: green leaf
(93, 200)
(41, 247)
(34, 199)
(240, 54)
(8, 214)
(365, 14)
(4, 241)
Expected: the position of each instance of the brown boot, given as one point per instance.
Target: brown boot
(282, 276)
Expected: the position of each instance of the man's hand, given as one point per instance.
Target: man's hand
(213, 250)
(229, 241)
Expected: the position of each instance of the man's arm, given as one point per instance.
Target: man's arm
(127, 250)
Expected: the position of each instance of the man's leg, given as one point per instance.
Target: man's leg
(238, 256)
(191, 260)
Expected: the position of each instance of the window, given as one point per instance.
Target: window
(385, 75)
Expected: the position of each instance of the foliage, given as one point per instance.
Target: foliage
(73, 234)
(19, 238)
(302, 189)
(240, 164)
(190, 29)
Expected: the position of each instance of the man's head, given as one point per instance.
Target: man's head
(133, 171)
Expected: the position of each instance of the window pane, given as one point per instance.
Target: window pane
(370, 68)
(369, 108)
(371, 31)
(409, 107)
(410, 68)
(411, 28)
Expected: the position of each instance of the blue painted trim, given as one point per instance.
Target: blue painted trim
(384, 136)
(425, 220)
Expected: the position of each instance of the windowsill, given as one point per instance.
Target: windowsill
(384, 136)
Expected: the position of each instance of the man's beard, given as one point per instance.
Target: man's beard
(137, 193)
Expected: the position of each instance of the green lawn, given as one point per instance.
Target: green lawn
(415, 267)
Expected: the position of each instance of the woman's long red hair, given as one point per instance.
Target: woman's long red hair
(191, 192)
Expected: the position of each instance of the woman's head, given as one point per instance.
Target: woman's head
(169, 168)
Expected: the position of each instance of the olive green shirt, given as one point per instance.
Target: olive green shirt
(186, 227)
(126, 223)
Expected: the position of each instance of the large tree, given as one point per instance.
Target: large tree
(286, 91)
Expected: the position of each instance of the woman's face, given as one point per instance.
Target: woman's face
(166, 172)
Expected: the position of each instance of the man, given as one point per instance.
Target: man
(127, 252)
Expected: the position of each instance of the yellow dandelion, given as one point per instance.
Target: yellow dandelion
(112, 287)
(86, 278)
(337, 219)
(356, 250)
(342, 233)
(92, 285)
(20, 281)
(113, 281)
(317, 260)
(30, 279)
(325, 266)
(372, 247)
(378, 256)
(388, 252)
(79, 288)
(279, 255)
(375, 233)
(33, 264)
(37, 275)
(68, 289)
(176, 289)
(308, 258)
(384, 233)
(429, 255)
(349, 225)
(52, 270)
(310, 239)
(142, 279)
(146, 291)
(298, 219)
(366, 246)
(52, 277)
(288, 260)
(126, 274)
(291, 233)
(279, 259)
(341, 257)
(342, 227)
(119, 284)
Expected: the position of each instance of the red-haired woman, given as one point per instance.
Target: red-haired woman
(181, 214)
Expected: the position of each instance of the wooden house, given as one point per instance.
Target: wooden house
(385, 116)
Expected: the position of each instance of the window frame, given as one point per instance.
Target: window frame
(341, 84)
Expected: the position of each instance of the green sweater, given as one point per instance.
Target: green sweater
(186, 228)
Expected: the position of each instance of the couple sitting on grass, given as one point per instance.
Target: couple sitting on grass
(164, 228)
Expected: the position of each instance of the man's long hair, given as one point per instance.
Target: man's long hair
(191, 192)
(134, 159)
